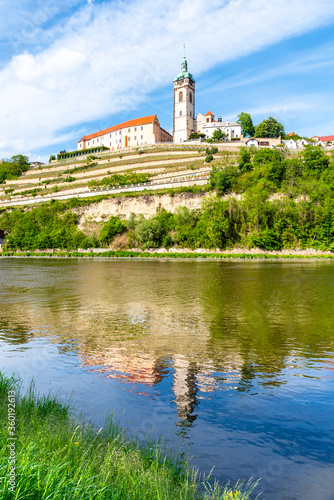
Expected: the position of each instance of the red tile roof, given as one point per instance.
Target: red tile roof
(327, 138)
(209, 113)
(130, 123)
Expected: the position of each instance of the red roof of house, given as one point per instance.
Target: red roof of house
(130, 123)
(327, 138)
(291, 133)
(209, 113)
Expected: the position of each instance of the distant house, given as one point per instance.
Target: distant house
(264, 142)
(301, 143)
(252, 142)
(290, 134)
(36, 164)
(323, 140)
(290, 144)
(327, 139)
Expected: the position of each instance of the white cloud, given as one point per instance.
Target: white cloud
(108, 57)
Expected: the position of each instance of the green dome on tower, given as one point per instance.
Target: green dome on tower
(184, 71)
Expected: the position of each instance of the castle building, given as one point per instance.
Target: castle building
(137, 132)
(185, 121)
(206, 124)
(147, 130)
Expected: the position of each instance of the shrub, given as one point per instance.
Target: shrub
(110, 229)
(223, 178)
(211, 151)
(266, 239)
(150, 233)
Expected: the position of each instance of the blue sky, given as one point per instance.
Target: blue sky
(71, 67)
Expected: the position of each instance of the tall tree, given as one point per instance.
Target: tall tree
(269, 128)
(246, 122)
(218, 135)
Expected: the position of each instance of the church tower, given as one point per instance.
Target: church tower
(184, 104)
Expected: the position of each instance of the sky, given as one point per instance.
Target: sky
(71, 67)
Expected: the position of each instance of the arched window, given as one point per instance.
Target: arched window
(180, 96)
(190, 97)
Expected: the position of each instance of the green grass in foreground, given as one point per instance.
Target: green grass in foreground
(59, 458)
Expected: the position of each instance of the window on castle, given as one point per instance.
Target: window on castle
(190, 97)
(190, 113)
(180, 113)
(181, 97)
(207, 120)
(129, 129)
(135, 129)
(141, 128)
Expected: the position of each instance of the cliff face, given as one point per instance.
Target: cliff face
(147, 205)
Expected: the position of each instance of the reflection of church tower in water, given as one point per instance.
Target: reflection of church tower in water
(184, 103)
(185, 389)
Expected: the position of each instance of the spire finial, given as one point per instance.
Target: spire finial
(184, 65)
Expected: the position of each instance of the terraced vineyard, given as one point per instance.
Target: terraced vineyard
(162, 166)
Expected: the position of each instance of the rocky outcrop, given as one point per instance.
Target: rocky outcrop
(147, 205)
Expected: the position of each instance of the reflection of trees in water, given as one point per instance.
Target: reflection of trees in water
(236, 324)
(14, 334)
(268, 314)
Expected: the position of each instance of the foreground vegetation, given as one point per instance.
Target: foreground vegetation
(59, 458)
(265, 200)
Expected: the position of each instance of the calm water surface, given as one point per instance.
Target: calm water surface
(233, 361)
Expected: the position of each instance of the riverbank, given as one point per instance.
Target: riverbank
(45, 453)
(177, 254)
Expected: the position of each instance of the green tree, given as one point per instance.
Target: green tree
(315, 158)
(223, 178)
(196, 135)
(218, 135)
(245, 160)
(13, 168)
(270, 128)
(246, 122)
(110, 229)
(150, 233)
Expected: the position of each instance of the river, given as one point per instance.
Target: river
(229, 361)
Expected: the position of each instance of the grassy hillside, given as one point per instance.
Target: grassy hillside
(77, 175)
(260, 199)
